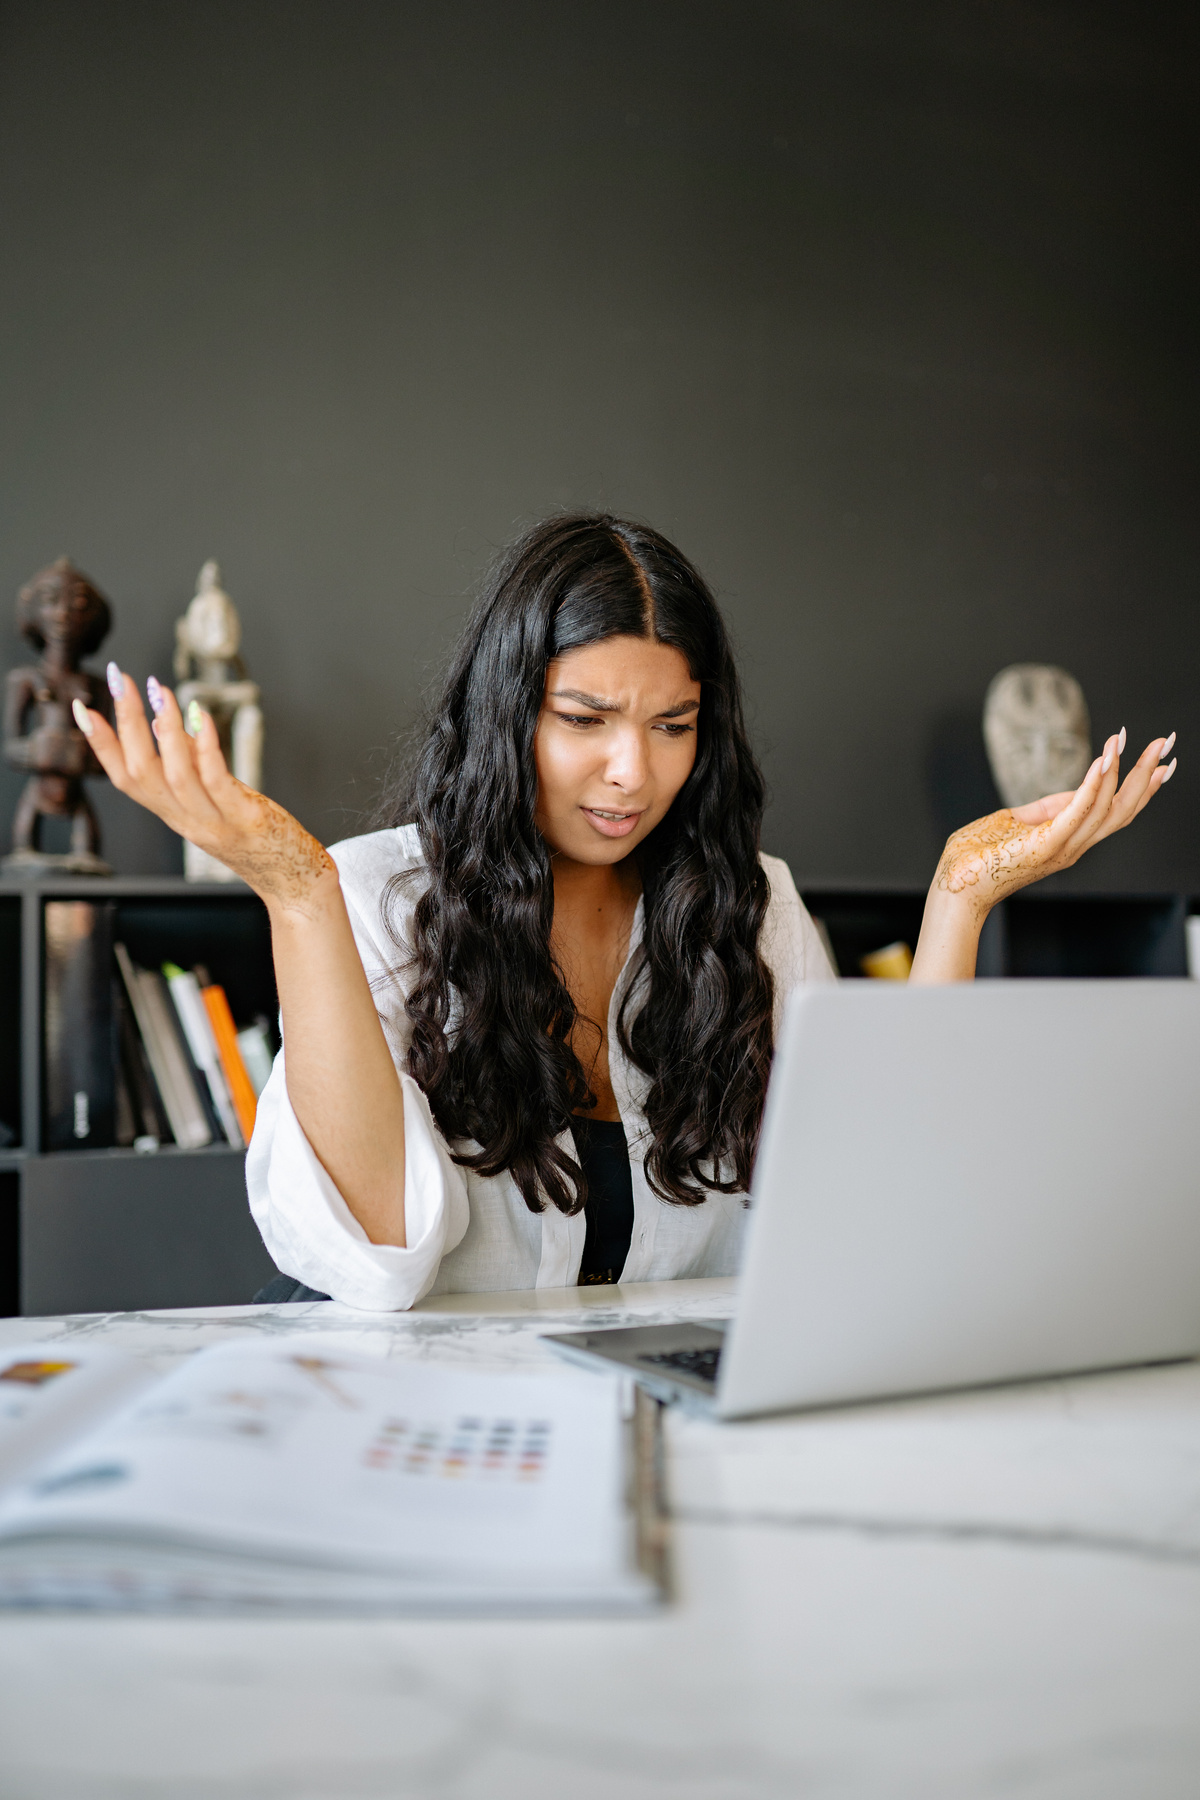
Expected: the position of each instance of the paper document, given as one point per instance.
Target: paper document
(49, 1392)
(295, 1475)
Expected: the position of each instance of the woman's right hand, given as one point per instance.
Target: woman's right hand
(185, 781)
(341, 1080)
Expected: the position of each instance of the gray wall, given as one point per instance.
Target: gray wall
(885, 311)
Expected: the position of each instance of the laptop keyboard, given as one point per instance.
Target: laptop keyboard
(701, 1363)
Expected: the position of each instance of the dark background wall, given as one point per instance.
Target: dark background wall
(887, 312)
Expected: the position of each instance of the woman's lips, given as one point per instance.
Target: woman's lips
(609, 822)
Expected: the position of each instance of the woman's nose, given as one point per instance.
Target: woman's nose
(627, 762)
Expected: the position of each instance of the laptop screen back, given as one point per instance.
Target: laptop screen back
(967, 1184)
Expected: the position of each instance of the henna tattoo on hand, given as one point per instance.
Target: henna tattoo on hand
(993, 857)
(272, 851)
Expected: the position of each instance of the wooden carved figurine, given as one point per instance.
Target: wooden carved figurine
(64, 617)
(209, 670)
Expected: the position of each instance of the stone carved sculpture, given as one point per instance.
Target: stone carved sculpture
(66, 618)
(1037, 732)
(209, 670)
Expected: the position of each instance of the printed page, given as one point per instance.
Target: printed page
(51, 1392)
(433, 1475)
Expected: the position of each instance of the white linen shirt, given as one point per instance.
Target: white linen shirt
(470, 1233)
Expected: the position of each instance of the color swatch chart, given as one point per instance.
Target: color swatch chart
(473, 1449)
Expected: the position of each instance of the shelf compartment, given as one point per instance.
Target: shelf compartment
(224, 929)
(10, 1243)
(1051, 936)
(858, 921)
(230, 935)
(10, 1022)
(1066, 936)
(114, 1231)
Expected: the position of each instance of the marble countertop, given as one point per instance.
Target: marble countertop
(993, 1594)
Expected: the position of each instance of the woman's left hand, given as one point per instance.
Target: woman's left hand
(993, 857)
(990, 859)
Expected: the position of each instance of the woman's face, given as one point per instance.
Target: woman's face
(615, 742)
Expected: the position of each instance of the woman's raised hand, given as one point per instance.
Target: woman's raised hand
(186, 782)
(994, 856)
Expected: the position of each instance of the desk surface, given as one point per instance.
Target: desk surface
(993, 1594)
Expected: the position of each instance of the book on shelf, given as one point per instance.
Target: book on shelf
(145, 1122)
(265, 1476)
(202, 1043)
(254, 1043)
(79, 1041)
(241, 1089)
(201, 1086)
(165, 1052)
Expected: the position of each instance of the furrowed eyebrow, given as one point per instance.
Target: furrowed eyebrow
(589, 700)
(595, 704)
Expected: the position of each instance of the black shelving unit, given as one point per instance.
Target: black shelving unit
(118, 1230)
(108, 1230)
(1035, 934)
(10, 1032)
(10, 1101)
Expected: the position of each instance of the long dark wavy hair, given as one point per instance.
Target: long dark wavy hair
(490, 1012)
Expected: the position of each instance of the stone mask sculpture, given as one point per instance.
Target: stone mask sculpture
(1037, 732)
(66, 618)
(209, 670)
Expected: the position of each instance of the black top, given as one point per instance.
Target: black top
(604, 1158)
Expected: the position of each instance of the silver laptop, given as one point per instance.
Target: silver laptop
(986, 1182)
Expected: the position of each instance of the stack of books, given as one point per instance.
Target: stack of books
(138, 1056)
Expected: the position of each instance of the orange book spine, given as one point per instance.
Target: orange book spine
(225, 1031)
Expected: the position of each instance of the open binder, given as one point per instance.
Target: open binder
(289, 1476)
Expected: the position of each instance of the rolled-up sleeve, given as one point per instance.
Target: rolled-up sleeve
(311, 1233)
(305, 1223)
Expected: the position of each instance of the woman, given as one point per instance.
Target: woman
(528, 1036)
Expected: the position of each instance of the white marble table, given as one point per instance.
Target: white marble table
(985, 1595)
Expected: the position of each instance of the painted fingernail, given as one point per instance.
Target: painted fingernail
(1106, 765)
(1121, 741)
(194, 716)
(116, 681)
(1166, 749)
(154, 695)
(81, 717)
(1170, 771)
